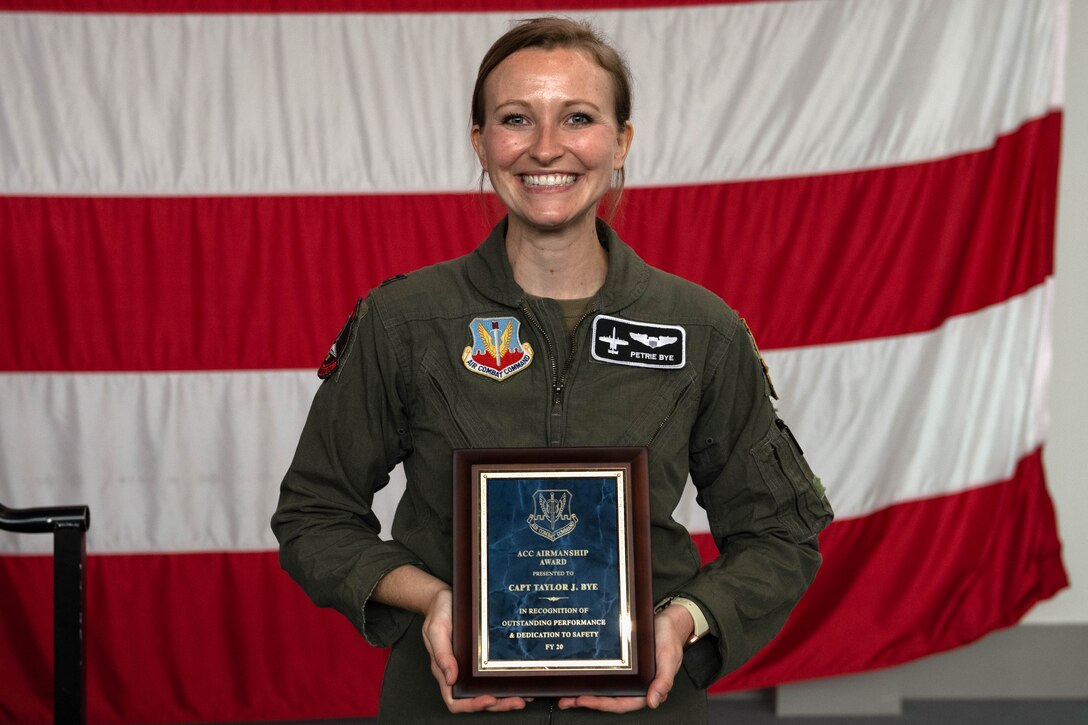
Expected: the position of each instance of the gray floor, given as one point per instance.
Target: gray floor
(759, 710)
(919, 712)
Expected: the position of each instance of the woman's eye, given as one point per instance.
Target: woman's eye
(579, 119)
(514, 119)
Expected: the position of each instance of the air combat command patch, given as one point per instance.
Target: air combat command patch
(496, 351)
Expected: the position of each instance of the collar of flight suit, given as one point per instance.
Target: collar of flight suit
(626, 280)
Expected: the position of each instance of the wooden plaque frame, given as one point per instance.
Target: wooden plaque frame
(527, 471)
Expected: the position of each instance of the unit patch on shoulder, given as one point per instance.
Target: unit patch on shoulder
(641, 344)
(766, 370)
(339, 347)
(497, 351)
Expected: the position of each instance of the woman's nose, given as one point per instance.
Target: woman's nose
(547, 146)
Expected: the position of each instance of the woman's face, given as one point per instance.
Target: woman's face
(550, 141)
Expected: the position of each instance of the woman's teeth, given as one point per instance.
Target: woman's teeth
(548, 179)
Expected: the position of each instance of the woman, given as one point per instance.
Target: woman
(551, 128)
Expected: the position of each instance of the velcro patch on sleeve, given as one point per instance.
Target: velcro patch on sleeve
(766, 370)
(339, 347)
(639, 344)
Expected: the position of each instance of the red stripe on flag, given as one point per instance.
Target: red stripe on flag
(864, 254)
(186, 638)
(230, 637)
(210, 282)
(200, 283)
(159, 7)
(936, 574)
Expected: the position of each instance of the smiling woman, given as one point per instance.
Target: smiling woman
(550, 141)
(550, 34)
(446, 358)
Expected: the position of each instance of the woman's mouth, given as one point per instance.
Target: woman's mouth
(544, 181)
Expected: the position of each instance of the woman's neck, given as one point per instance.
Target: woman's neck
(563, 266)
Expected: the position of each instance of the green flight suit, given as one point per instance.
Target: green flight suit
(401, 393)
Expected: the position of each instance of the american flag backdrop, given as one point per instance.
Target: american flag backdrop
(193, 193)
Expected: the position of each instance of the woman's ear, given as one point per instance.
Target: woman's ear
(623, 145)
(478, 146)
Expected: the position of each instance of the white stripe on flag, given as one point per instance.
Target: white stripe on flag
(166, 461)
(192, 461)
(904, 418)
(297, 103)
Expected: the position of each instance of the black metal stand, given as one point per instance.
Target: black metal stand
(69, 525)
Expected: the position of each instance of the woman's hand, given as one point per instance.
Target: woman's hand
(438, 638)
(411, 588)
(672, 629)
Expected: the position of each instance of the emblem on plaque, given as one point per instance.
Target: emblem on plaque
(552, 517)
(497, 351)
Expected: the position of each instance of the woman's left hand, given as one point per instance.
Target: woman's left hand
(672, 629)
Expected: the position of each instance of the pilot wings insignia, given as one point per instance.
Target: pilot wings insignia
(652, 341)
(496, 351)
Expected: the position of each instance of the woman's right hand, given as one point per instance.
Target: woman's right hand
(438, 638)
(411, 588)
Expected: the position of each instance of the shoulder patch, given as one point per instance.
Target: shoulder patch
(762, 362)
(340, 345)
(639, 344)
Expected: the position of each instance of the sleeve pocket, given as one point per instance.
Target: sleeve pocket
(802, 505)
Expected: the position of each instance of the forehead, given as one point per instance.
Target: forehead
(537, 73)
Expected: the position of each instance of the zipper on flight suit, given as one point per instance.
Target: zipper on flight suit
(559, 377)
(665, 421)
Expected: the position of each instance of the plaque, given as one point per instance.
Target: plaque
(552, 581)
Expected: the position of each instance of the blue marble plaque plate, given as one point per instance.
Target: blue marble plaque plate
(553, 563)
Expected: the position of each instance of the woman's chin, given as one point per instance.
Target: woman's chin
(555, 221)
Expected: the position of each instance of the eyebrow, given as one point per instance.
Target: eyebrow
(566, 104)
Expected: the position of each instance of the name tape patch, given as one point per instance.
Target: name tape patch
(640, 344)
